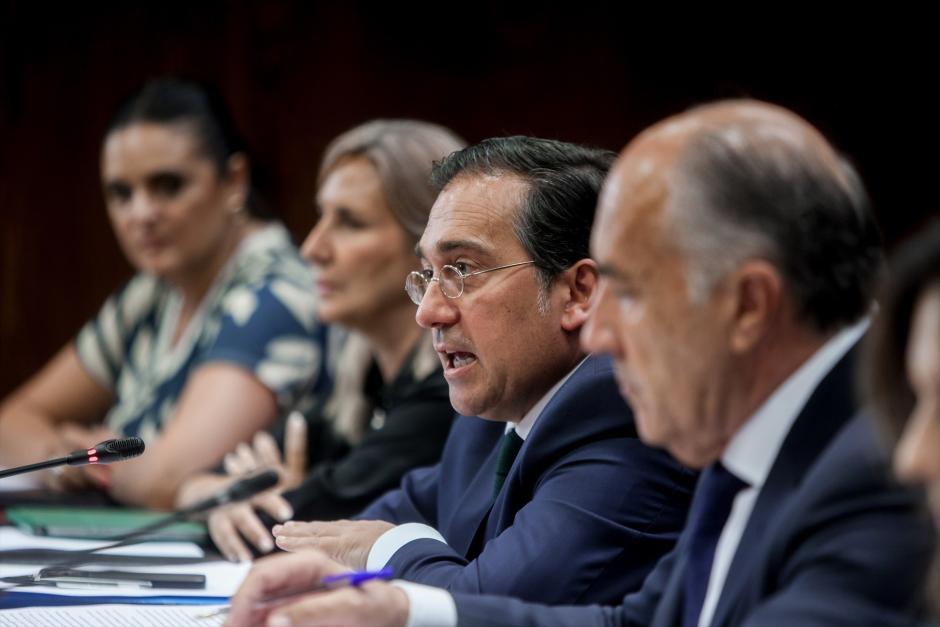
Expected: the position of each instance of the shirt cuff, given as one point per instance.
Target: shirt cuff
(398, 536)
(427, 606)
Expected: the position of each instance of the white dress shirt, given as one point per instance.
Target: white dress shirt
(753, 450)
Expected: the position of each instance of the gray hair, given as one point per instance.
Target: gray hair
(760, 189)
(402, 152)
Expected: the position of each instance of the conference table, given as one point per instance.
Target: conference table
(130, 589)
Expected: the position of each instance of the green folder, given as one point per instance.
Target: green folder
(99, 523)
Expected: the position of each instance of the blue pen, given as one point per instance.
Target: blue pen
(352, 578)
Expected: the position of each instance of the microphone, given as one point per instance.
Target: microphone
(107, 452)
(115, 450)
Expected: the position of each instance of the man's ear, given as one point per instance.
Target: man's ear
(579, 283)
(755, 293)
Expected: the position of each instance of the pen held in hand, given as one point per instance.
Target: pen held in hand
(352, 578)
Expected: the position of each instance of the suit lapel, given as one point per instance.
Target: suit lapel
(475, 505)
(485, 518)
(829, 408)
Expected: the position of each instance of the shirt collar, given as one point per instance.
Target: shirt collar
(752, 451)
(524, 426)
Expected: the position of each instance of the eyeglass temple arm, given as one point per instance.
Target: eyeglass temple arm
(508, 265)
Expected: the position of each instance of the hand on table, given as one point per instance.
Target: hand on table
(373, 604)
(346, 541)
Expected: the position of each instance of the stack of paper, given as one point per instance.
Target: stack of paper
(222, 578)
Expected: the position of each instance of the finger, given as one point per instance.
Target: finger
(226, 538)
(249, 525)
(311, 610)
(292, 544)
(266, 450)
(295, 448)
(277, 575)
(233, 465)
(275, 505)
(297, 528)
(247, 457)
(348, 605)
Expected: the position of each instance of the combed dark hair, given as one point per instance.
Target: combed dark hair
(914, 269)
(202, 109)
(811, 217)
(553, 222)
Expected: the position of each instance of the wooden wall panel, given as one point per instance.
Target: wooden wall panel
(297, 73)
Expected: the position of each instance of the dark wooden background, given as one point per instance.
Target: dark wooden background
(298, 73)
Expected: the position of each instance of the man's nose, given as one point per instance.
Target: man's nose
(435, 309)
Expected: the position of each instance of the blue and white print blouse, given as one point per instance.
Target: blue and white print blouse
(260, 314)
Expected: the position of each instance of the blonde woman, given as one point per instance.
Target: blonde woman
(388, 410)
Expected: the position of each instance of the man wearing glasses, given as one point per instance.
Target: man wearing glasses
(544, 491)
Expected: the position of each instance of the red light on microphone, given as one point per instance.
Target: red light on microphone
(92, 460)
(92, 451)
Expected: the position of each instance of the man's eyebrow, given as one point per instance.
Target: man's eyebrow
(448, 246)
(462, 244)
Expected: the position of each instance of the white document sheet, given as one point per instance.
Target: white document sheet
(112, 616)
(222, 580)
(12, 538)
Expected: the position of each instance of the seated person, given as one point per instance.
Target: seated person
(209, 342)
(903, 374)
(737, 253)
(544, 490)
(388, 410)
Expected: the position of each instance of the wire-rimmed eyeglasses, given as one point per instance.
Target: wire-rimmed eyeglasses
(450, 280)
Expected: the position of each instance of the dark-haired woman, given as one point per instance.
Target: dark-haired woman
(212, 339)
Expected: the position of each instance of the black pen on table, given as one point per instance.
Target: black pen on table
(352, 578)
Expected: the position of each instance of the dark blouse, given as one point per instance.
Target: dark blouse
(410, 421)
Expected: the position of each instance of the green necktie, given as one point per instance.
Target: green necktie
(508, 449)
